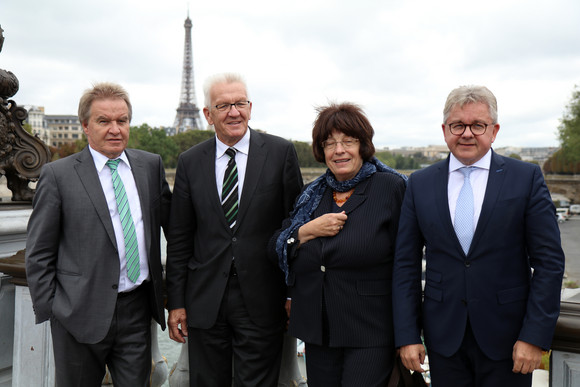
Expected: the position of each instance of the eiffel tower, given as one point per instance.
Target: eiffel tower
(187, 117)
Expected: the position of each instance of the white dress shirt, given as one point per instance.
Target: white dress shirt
(124, 170)
(242, 148)
(478, 179)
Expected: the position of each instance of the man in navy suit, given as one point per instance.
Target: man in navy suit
(491, 300)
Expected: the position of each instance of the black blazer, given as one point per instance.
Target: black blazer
(201, 244)
(357, 274)
(72, 262)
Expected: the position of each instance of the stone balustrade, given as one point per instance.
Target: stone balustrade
(26, 358)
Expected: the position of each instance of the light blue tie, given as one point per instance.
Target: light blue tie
(129, 234)
(464, 211)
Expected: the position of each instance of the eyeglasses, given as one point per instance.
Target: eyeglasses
(240, 105)
(477, 128)
(346, 144)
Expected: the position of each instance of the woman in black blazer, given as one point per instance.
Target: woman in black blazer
(336, 250)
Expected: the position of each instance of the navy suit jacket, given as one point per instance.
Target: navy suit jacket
(494, 285)
(201, 245)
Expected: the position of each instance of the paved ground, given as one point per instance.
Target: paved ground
(570, 234)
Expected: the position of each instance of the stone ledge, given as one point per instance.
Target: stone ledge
(567, 334)
(15, 267)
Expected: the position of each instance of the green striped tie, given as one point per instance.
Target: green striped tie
(230, 189)
(129, 234)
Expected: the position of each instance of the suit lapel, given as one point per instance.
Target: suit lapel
(87, 174)
(440, 186)
(494, 183)
(141, 177)
(256, 160)
(207, 169)
(357, 198)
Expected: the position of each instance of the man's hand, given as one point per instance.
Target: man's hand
(177, 318)
(527, 357)
(413, 356)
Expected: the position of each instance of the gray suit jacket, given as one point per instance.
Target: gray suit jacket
(72, 262)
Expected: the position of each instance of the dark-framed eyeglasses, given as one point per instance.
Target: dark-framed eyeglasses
(477, 128)
(240, 105)
(346, 143)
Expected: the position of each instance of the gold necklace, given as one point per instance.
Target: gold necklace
(341, 201)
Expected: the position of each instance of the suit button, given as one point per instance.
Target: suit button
(322, 268)
(234, 239)
(115, 287)
(467, 263)
(464, 302)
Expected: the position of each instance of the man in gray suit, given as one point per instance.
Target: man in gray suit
(93, 249)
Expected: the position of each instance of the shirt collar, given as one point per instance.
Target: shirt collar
(242, 146)
(483, 163)
(101, 160)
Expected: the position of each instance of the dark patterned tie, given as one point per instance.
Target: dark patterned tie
(464, 211)
(129, 234)
(230, 189)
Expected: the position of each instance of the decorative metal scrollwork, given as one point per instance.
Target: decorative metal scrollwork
(21, 154)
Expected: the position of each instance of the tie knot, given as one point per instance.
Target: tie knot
(113, 164)
(466, 171)
(231, 152)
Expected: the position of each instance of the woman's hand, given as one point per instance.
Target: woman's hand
(326, 225)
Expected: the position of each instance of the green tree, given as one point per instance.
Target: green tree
(68, 149)
(558, 163)
(155, 141)
(28, 128)
(399, 161)
(569, 133)
(184, 141)
(305, 157)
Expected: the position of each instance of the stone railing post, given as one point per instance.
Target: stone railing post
(565, 359)
(6, 329)
(32, 357)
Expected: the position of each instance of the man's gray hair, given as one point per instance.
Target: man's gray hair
(463, 95)
(221, 78)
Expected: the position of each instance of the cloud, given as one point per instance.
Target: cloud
(398, 60)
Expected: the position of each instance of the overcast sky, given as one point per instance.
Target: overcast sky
(397, 59)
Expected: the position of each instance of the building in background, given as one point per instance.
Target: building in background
(37, 122)
(63, 129)
(54, 130)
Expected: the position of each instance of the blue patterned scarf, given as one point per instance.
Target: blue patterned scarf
(310, 198)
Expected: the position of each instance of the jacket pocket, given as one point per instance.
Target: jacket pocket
(512, 295)
(433, 293)
(64, 272)
(433, 276)
(373, 288)
(192, 265)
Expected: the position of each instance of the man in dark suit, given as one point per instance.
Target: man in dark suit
(231, 193)
(493, 255)
(93, 249)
